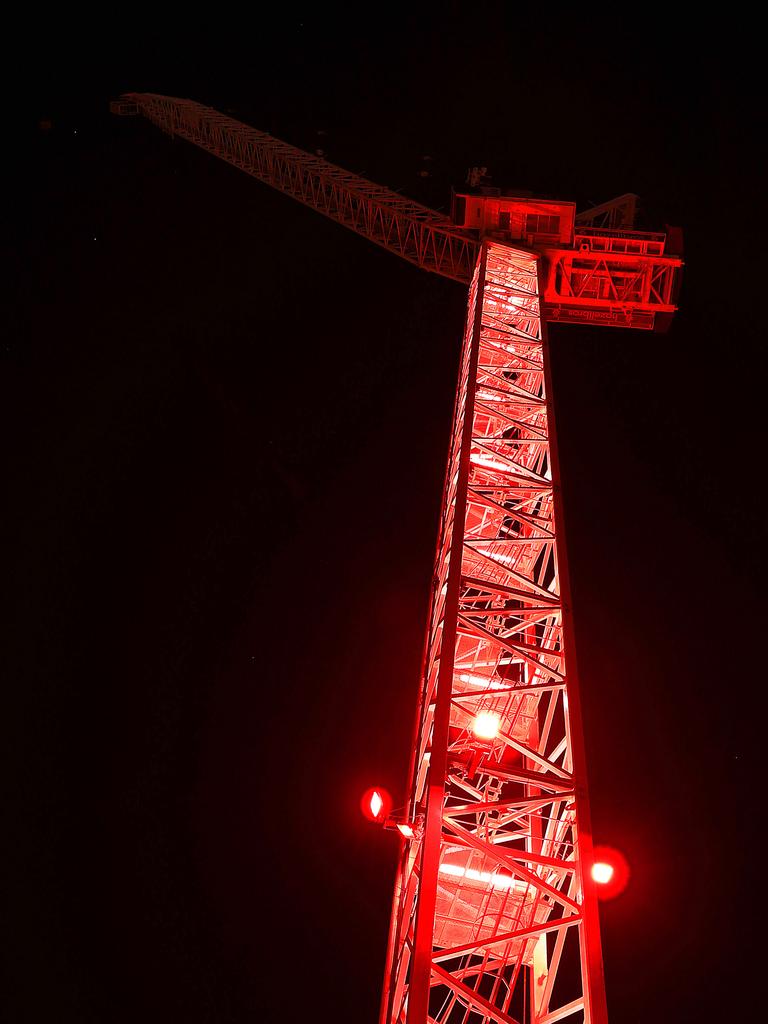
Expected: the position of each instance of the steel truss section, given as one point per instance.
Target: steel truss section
(616, 213)
(608, 276)
(610, 279)
(410, 230)
(494, 917)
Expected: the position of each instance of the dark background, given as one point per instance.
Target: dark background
(226, 420)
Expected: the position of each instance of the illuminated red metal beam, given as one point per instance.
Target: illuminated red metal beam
(412, 231)
(616, 213)
(521, 933)
(618, 278)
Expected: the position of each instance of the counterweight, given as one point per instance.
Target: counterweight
(494, 917)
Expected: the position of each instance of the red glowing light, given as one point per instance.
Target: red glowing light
(610, 871)
(485, 725)
(376, 803)
(602, 873)
(406, 830)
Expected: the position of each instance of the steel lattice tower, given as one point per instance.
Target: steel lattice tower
(506, 837)
(494, 917)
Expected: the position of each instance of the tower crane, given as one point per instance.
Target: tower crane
(494, 916)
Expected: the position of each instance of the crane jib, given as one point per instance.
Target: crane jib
(594, 274)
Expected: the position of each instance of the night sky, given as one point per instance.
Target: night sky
(226, 422)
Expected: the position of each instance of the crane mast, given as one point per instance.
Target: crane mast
(494, 916)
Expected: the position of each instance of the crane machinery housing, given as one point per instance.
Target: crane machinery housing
(494, 916)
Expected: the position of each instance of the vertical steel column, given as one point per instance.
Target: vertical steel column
(590, 946)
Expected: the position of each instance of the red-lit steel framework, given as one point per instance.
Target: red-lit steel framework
(494, 917)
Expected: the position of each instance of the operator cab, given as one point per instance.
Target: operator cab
(515, 217)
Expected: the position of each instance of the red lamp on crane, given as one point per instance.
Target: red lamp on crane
(375, 804)
(490, 884)
(610, 872)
